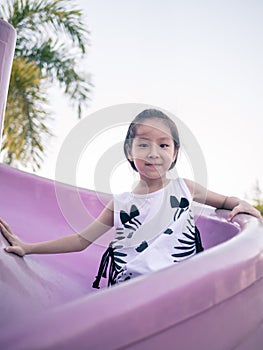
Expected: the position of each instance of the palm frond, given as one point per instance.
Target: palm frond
(58, 65)
(52, 37)
(46, 17)
(26, 118)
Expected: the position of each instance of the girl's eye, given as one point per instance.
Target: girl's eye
(143, 145)
(164, 145)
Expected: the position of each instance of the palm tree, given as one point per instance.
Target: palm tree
(51, 39)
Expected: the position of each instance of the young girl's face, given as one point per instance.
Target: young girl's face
(152, 149)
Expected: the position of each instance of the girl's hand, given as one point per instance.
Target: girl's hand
(244, 207)
(17, 246)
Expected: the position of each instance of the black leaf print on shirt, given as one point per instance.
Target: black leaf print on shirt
(119, 238)
(198, 241)
(119, 231)
(126, 218)
(128, 277)
(142, 247)
(186, 242)
(181, 206)
(117, 246)
(119, 260)
(182, 255)
(191, 223)
(190, 216)
(191, 245)
(174, 202)
(130, 235)
(187, 235)
(134, 212)
(119, 254)
(190, 230)
(110, 264)
(168, 231)
(130, 218)
(118, 257)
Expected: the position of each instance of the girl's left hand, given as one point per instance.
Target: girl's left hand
(246, 208)
(16, 245)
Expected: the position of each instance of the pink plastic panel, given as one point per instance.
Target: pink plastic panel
(47, 301)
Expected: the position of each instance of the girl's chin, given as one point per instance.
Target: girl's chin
(152, 176)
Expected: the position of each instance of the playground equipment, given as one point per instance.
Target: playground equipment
(211, 301)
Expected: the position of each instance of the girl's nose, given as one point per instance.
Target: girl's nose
(153, 151)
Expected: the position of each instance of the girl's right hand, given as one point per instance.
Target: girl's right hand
(17, 246)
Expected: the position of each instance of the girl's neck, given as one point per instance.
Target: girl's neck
(149, 186)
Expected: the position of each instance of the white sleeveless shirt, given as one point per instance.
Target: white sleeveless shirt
(152, 231)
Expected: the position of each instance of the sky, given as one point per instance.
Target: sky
(199, 60)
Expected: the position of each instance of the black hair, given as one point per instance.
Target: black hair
(140, 118)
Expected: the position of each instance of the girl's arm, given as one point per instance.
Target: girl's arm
(202, 195)
(72, 243)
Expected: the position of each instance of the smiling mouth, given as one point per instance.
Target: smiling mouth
(153, 165)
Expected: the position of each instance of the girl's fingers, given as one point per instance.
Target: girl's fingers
(247, 210)
(6, 233)
(5, 224)
(15, 250)
(7, 249)
(232, 214)
(10, 249)
(257, 214)
(2, 228)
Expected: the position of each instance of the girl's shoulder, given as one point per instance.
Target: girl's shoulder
(195, 189)
(183, 186)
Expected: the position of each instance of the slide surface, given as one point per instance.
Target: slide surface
(47, 300)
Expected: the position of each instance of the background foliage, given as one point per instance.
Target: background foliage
(52, 39)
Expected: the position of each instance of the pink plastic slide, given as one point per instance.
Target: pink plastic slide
(212, 301)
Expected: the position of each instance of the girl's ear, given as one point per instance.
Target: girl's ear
(128, 150)
(176, 153)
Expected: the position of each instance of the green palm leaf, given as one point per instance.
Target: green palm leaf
(51, 40)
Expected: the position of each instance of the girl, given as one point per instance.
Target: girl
(154, 224)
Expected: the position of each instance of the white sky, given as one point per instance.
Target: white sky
(200, 60)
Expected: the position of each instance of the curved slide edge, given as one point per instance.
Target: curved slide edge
(215, 296)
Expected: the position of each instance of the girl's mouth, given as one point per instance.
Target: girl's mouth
(152, 164)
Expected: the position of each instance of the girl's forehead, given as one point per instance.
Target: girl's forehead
(154, 128)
